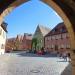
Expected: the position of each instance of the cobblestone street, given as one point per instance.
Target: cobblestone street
(27, 64)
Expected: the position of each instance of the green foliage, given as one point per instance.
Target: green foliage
(36, 43)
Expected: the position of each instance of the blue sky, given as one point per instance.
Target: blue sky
(26, 17)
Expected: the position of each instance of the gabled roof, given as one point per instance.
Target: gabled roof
(42, 29)
(19, 37)
(58, 29)
(27, 36)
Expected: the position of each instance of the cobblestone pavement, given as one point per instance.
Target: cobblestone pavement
(16, 64)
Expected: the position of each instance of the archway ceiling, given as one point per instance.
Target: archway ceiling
(4, 4)
(68, 6)
(69, 3)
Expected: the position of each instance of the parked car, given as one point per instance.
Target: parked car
(39, 52)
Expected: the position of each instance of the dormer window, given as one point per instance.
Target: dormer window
(62, 29)
(55, 30)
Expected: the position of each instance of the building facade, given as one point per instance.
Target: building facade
(3, 32)
(10, 44)
(27, 41)
(57, 40)
(21, 42)
(39, 34)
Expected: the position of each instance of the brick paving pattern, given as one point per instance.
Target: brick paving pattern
(15, 64)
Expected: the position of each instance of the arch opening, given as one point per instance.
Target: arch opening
(56, 7)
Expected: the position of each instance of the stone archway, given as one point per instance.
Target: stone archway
(64, 8)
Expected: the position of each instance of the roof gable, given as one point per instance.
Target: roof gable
(44, 30)
(58, 29)
(41, 30)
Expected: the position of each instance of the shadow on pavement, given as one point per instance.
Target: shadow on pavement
(62, 61)
(36, 55)
(67, 70)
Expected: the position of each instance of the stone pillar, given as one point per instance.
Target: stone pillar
(73, 62)
(1, 20)
(65, 8)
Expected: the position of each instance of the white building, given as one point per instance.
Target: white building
(3, 32)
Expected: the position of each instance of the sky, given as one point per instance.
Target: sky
(26, 17)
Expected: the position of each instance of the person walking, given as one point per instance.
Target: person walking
(65, 56)
(69, 56)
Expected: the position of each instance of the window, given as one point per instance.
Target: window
(67, 46)
(62, 46)
(62, 29)
(53, 37)
(2, 46)
(56, 30)
(0, 31)
(59, 47)
(52, 46)
(57, 37)
(3, 34)
(64, 36)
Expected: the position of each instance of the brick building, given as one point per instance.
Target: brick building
(26, 41)
(57, 40)
(21, 42)
(10, 44)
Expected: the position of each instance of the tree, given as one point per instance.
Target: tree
(34, 43)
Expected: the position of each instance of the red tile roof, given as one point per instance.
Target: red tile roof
(58, 29)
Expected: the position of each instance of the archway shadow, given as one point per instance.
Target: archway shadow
(67, 70)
